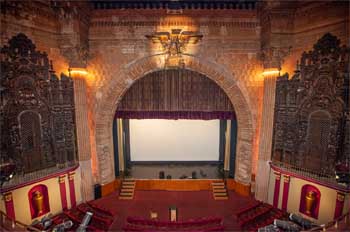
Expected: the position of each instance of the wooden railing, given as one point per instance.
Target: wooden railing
(335, 224)
(5, 220)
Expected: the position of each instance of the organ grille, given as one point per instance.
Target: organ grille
(311, 106)
(37, 110)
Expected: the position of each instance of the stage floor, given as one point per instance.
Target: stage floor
(190, 204)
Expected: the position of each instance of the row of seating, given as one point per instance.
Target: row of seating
(257, 215)
(97, 214)
(246, 209)
(251, 217)
(264, 220)
(77, 218)
(100, 221)
(99, 209)
(201, 224)
(130, 227)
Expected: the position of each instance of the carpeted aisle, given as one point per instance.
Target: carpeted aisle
(189, 204)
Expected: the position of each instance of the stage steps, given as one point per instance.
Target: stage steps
(219, 190)
(127, 190)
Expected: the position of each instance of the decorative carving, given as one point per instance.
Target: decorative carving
(174, 44)
(311, 127)
(37, 109)
(77, 56)
(273, 57)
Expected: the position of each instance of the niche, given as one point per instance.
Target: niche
(310, 201)
(38, 200)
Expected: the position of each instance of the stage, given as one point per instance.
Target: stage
(177, 185)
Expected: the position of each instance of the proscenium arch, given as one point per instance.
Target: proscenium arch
(123, 80)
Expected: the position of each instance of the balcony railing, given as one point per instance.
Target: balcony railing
(339, 224)
(19, 179)
(319, 176)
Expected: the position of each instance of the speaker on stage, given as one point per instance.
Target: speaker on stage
(168, 176)
(98, 191)
(194, 175)
(161, 175)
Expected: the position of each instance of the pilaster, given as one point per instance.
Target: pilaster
(83, 134)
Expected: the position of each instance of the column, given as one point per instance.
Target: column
(63, 191)
(83, 133)
(73, 201)
(227, 147)
(276, 194)
(120, 144)
(286, 181)
(266, 133)
(10, 208)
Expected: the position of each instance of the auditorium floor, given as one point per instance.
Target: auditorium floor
(190, 204)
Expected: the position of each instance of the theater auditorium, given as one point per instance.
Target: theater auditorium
(175, 115)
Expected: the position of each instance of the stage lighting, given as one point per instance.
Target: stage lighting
(7, 171)
(303, 222)
(85, 222)
(286, 225)
(63, 226)
(342, 174)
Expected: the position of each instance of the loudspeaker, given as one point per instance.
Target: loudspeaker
(98, 191)
(168, 176)
(161, 175)
(194, 175)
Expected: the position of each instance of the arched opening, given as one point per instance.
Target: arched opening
(113, 93)
(175, 123)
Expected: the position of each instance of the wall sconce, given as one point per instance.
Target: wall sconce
(271, 72)
(77, 71)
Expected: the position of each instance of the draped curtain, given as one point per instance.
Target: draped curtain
(175, 94)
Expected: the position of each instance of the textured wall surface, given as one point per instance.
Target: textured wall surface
(111, 44)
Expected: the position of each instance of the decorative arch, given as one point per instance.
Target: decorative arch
(139, 68)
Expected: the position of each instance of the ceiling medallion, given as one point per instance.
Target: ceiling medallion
(174, 44)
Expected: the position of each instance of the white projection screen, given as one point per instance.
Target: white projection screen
(174, 140)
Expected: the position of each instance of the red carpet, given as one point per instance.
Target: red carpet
(190, 205)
